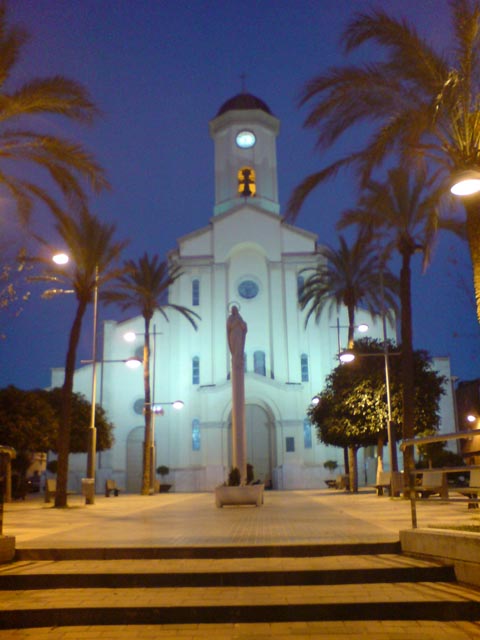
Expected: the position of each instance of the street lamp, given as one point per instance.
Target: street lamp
(465, 183)
(158, 410)
(62, 259)
(349, 356)
(362, 328)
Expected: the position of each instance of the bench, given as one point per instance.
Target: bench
(433, 483)
(472, 490)
(111, 487)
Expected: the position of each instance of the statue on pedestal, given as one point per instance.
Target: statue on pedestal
(236, 333)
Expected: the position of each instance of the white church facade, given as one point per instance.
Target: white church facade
(245, 255)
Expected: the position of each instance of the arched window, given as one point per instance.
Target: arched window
(304, 366)
(196, 438)
(300, 286)
(195, 370)
(307, 434)
(246, 182)
(195, 293)
(259, 363)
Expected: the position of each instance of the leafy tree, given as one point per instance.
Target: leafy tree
(93, 253)
(58, 160)
(81, 415)
(352, 411)
(144, 286)
(423, 105)
(347, 276)
(27, 420)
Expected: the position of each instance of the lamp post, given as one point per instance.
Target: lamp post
(465, 183)
(157, 410)
(362, 328)
(62, 259)
(92, 432)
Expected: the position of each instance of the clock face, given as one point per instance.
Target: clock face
(245, 139)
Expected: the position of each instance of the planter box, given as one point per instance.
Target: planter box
(250, 494)
(7, 548)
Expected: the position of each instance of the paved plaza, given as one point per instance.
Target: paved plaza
(187, 520)
(179, 519)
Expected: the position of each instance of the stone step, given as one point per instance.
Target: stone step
(224, 585)
(189, 605)
(325, 570)
(197, 551)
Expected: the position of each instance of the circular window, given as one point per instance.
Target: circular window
(248, 289)
(138, 406)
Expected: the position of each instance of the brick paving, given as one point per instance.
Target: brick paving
(170, 520)
(293, 517)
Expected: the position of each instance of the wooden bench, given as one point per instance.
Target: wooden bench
(433, 483)
(472, 490)
(111, 487)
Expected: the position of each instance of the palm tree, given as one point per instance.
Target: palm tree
(404, 209)
(93, 253)
(60, 160)
(144, 286)
(349, 276)
(422, 105)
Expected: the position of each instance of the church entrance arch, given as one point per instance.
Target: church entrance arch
(260, 441)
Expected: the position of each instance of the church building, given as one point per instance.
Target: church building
(247, 256)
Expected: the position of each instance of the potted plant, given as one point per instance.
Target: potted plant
(233, 493)
(163, 471)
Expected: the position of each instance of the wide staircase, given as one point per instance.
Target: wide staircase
(241, 584)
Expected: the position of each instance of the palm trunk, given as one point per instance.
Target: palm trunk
(351, 325)
(353, 476)
(408, 388)
(148, 412)
(63, 441)
(472, 208)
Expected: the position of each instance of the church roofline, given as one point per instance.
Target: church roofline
(244, 102)
(175, 252)
(241, 117)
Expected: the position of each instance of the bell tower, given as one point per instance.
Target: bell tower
(244, 132)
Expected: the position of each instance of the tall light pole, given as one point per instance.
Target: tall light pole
(157, 410)
(360, 327)
(92, 432)
(61, 259)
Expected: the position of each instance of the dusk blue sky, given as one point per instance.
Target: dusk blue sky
(159, 70)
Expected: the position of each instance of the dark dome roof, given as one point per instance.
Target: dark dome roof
(243, 101)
